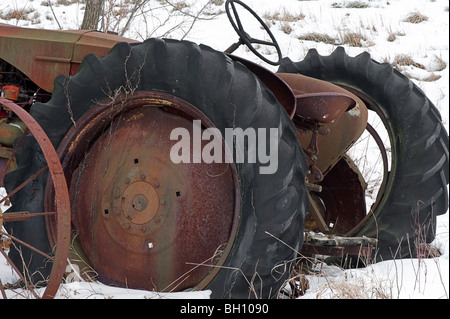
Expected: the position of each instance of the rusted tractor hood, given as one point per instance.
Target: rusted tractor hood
(43, 54)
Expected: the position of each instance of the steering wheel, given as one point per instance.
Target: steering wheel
(244, 38)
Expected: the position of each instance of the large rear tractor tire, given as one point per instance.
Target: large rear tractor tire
(176, 80)
(415, 188)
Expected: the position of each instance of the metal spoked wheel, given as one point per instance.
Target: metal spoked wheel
(56, 253)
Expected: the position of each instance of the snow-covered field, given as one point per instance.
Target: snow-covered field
(381, 30)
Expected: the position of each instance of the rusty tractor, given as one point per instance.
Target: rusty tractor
(85, 131)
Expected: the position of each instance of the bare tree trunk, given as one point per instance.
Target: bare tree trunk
(92, 14)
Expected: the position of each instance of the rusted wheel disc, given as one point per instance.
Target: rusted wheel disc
(142, 220)
(342, 196)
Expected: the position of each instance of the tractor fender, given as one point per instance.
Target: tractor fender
(280, 89)
(342, 133)
(43, 54)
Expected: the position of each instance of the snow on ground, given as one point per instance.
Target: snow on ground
(380, 29)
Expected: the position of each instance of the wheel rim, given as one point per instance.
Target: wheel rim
(350, 206)
(152, 224)
(59, 215)
(379, 176)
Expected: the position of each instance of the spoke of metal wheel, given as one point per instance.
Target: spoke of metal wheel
(21, 216)
(17, 271)
(2, 288)
(42, 170)
(26, 245)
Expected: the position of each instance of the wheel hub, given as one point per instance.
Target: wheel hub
(136, 205)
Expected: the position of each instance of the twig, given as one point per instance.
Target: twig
(54, 15)
(137, 6)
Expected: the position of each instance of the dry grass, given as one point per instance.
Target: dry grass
(438, 64)
(18, 14)
(355, 288)
(402, 61)
(335, 278)
(284, 15)
(328, 282)
(393, 35)
(317, 37)
(179, 6)
(405, 60)
(354, 39)
(415, 17)
(218, 2)
(286, 27)
(351, 5)
(48, 3)
(431, 78)
(285, 18)
(325, 280)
